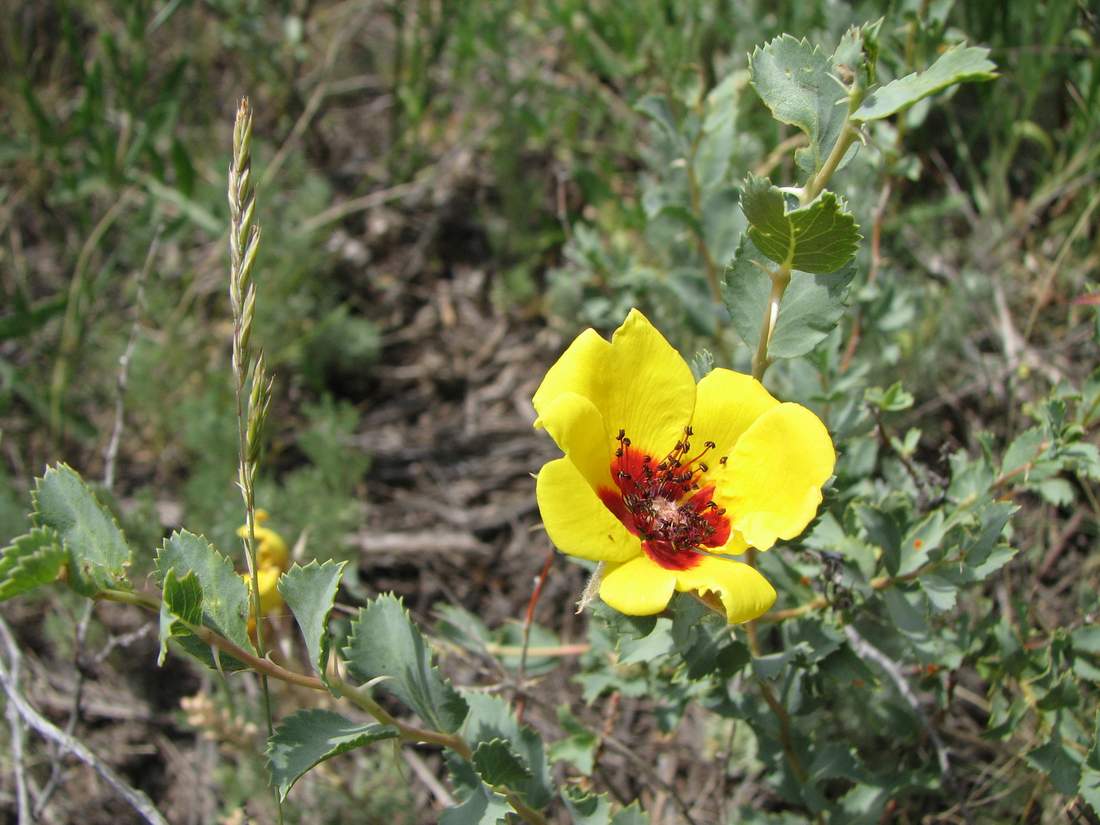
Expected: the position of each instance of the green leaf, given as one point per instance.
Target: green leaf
(181, 602)
(497, 764)
(225, 607)
(957, 65)
(998, 557)
(1027, 448)
(942, 592)
(592, 809)
(309, 737)
(895, 398)
(766, 209)
(745, 290)
(578, 748)
(385, 642)
(818, 238)
(309, 592)
(1089, 785)
(491, 718)
(1060, 763)
(811, 306)
(657, 109)
(482, 807)
(30, 561)
(883, 532)
(906, 618)
(97, 549)
(796, 82)
(586, 808)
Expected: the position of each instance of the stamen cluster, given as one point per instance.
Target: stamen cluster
(665, 501)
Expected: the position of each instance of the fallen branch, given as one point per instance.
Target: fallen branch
(69, 744)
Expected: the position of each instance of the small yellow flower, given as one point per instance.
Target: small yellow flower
(270, 597)
(271, 550)
(661, 473)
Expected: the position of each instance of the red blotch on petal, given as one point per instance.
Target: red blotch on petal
(613, 501)
(669, 557)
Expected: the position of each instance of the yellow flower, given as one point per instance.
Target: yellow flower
(271, 550)
(660, 473)
(270, 597)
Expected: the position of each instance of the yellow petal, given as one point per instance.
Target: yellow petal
(771, 482)
(270, 597)
(726, 404)
(744, 593)
(272, 550)
(638, 588)
(576, 520)
(578, 429)
(735, 545)
(638, 382)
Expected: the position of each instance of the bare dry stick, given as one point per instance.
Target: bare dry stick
(867, 650)
(135, 798)
(18, 739)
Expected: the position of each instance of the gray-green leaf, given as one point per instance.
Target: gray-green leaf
(490, 719)
(97, 549)
(497, 764)
(309, 593)
(811, 306)
(482, 807)
(309, 737)
(30, 561)
(587, 809)
(181, 602)
(957, 65)
(796, 81)
(590, 809)
(385, 642)
(1089, 785)
(579, 745)
(225, 607)
(818, 238)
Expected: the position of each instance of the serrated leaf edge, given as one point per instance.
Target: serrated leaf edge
(20, 562)
(35, 512)
(326, 637)
(393, 733)
(432, 668)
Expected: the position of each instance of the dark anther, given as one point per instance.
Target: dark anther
(619, 453)
(723, 459)
(621, 435)
(626, 442)
(703, 467)
(688, 431)
(710, 445)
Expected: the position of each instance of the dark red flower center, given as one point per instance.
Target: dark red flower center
(665, 503)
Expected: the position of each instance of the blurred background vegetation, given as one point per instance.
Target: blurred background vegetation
(438, 165)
